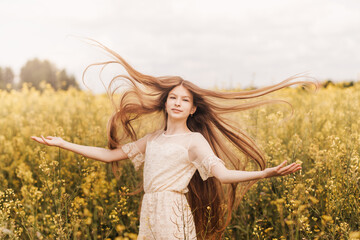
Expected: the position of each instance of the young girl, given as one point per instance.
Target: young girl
(185, 159)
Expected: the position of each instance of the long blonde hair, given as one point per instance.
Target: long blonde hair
(148, 94)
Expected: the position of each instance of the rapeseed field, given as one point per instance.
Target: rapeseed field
(50, 193)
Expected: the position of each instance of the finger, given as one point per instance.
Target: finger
(293, 166)
(283, 164)
(297, 169)
(291, 172)
(37, 139)
(293, 169)
(45, 142)
(284, 169)
(296, 166)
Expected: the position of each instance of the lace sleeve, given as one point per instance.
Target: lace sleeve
(204, 166)
(134, 154)
(202, 156)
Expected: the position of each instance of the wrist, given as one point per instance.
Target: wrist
(265, 173)
(62, 144)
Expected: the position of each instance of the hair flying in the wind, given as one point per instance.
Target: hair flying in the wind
(147, 95)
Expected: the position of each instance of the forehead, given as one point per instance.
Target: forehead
(181, 91)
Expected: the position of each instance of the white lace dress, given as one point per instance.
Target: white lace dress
(169, 164)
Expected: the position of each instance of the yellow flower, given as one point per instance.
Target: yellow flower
(313, 200)
(354, 235)
(120, 228)
(88, 221)
(289, 222)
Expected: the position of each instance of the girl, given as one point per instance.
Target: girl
(185, 159)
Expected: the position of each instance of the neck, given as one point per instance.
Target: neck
(176, 126)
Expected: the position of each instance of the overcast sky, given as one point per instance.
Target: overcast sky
(224, 43)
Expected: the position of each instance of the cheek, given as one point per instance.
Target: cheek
(168, 103)
(189, 106)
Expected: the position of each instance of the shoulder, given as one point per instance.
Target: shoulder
(141, 143)
(149, 136)
(198, 139)
(154, 134)
(199, 147)
(198, 136)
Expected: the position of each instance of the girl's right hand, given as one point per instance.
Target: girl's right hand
(96, 153)
(49, 140)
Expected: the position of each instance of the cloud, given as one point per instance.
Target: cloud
(207, 42)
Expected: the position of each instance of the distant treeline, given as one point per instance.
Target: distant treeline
(344, 84)
(36, 71)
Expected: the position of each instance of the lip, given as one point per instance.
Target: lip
(176, 110)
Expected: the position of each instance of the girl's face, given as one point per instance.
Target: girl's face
(179, 103)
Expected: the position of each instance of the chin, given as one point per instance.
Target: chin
(178, 117)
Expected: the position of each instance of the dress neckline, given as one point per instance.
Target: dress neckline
(178, 134)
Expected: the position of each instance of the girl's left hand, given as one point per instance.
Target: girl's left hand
(280, 170)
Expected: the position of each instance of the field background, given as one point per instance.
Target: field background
(48, 193)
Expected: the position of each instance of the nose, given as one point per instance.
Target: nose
(177, 103)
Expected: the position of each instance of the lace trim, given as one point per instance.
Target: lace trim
(204, 166)
(134, 154)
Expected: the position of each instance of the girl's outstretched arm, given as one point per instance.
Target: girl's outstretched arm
(232, 176)
(96, 153)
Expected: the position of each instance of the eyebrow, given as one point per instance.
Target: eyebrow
(182, 96)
